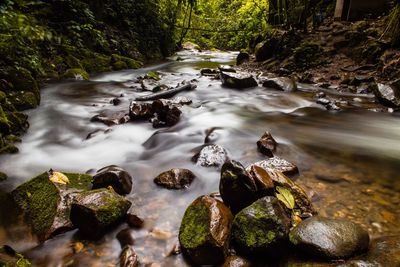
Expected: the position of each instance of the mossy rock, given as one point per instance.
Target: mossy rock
(78, 74)
(260, 228)
(9, 149)
(10, 258)
(23, 100)
(3, 176)
(92, 212)
(372, 51)
(307, 55)
(47, 204)
(4, 123)
(120, 65)
(18, 122)
(95, 63)
(130, 62)
(204, 231)
(153, 75)
(72, 62)
(21, 79)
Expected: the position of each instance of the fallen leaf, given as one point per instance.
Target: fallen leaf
(285, 196)
(58, 177)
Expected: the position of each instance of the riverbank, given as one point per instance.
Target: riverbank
(68, 40)
(345, 57)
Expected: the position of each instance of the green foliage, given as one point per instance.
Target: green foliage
(393, 26)
(285, 196)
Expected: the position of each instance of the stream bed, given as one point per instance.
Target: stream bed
(349, 161)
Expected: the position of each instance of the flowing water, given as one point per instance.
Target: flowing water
(348, 160)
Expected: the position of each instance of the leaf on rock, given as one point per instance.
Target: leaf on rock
(285, 196)
(58, 177)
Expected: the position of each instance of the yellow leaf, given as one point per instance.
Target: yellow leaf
(285, 196)
(58, 177)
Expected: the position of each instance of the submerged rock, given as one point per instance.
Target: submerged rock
(238, 80)
(204, 231)
(276, 164)
(211, 156)
(261, 227)
(267, 144)
(384, 251)
(118, 178)
(47, 205)
(388, 94)
(94, 211)
(281, 84)
(242, 57)
(237, 188)
(9, 258)
(128, 257)
(175, 178)
(236, 261)
(329, 238)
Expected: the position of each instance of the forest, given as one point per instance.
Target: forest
(199, 133)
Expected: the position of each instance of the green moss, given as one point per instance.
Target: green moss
(372, 51)
(72, 62)
(9, 149)
(2, 97)
(76, 74)
(95, 62)
(194, 227)
(10, 258)
(153, 75)
(18, 122)
(120, 65)
(39, 199)
(130, 63)
(307, 55)
(4, 123)
(23, 100)
(3, 176)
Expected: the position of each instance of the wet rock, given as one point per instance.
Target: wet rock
(175, 179)
(267, 144)
(276, 164)
(125, 237)
(140, 111)
(211, 156)
(209, 72)
(23, 100)
(261, 227)
(238, 80)
(177, 101)
(111, 119)
(263, 181)
(282, 84)
(388, 94)
(236, 261)
(128, 257)
(237, 188)
(384, 251)
(115, 101)
(46, 205)
(114, 176)
(134, 220)
(95, 211)
(329, 238)
(242, 57)
(77, 74)
(226, 68)
(327, 103)
(266, 49)
(204, 231)
(9, 257)
(166, 114)
(191, 46)
(3, 176)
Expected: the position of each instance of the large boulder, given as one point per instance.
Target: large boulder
(260, 228)
(238, 80)
(237, 188)
(46, 204)
(281, 84)
(388, 94)
(211, 156)
(95, 211)
(266, 49)
(114, 176)
(10, 258)
(329, 238)
(242, 57)
(175, 178)
(204, 232)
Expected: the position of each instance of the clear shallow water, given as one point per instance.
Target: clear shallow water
(348, 160)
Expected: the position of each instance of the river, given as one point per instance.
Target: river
(349, 161)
